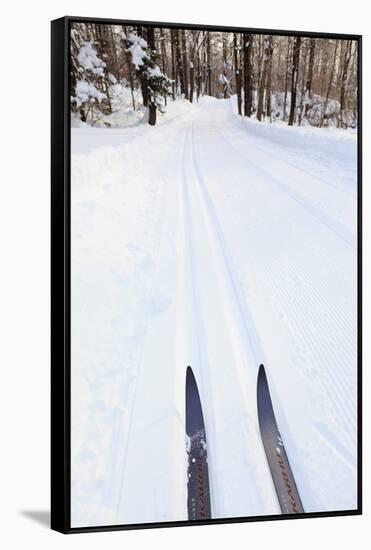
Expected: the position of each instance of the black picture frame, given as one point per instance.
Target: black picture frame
(60, 276)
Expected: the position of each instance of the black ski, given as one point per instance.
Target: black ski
(283, 478)
(198, 474)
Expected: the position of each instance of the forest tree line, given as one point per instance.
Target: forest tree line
(291, 78)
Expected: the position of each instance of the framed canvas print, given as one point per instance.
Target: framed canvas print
(206, 274)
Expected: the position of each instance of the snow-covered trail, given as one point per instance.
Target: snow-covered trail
(253, 260)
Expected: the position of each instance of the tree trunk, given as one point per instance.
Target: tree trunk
(132, 87)
(100, 49)
(329, 85)
(294, 78)
(142, 77)
(237, 73)
(204, 72)
(151, 99)
(152, 114)
(304, 65)
(286, 77)
(173, 63)
(267, 53)
(178, 61)
(351, 86)
(198, 76)
(247, 73)
(324, 62)
(192, 64)
(344, 80)
(191, 81)
(268, 93)
(209, 74)
(308, 88)
(185, 63)
(163, 55)
(114, 53)
(225, 63)
(260, 57)
(82, 114)
(163, 51)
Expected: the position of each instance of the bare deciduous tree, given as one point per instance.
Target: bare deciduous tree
(294, 78)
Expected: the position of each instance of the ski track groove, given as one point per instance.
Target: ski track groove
(340, 382)
(247, 341)
(308, 340)
(338, 312)
(297, 307)
(292, 303)
(198, 329)
(340, 397)
(336, 446)
(249, 328)
(293, 310)
(227, 286)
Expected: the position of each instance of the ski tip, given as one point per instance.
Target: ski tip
(261, 379)
(261, 372)
(190, 377)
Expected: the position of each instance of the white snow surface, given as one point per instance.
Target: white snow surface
(222, 243)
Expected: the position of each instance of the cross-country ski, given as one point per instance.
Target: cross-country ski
(198, 498)
(283, 478)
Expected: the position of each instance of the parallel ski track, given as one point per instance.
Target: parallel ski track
(192, 329)
(245, 341)
(226, 259)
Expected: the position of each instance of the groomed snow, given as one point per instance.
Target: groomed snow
(222, 243)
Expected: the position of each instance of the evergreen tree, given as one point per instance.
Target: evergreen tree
(154, 84)
(89, 72)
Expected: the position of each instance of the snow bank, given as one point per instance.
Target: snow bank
(122, 118)
(331, 142)
(101, 153)
(336, 142)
